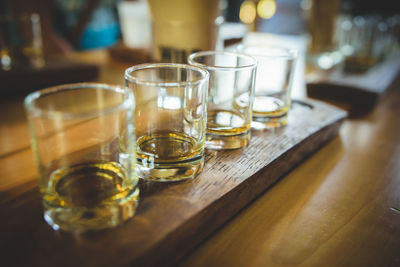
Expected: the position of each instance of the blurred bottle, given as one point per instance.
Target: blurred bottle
(181, 27)
(367, 35)
(358, 33)
(322, 48)
(135, 23)
(322, 24)
(21, 42)
(87, 24)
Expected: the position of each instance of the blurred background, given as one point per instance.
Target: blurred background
(355, 34)
(367, 30)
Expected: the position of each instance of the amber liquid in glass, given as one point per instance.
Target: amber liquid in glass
(89, 196)
(169, 156)
(268, 106)
(227, 129)
(226, 122)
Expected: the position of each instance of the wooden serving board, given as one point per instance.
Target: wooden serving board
(360, 92)
(172, 218)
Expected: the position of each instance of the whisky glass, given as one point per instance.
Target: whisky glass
(170, 119)
(230, 97)
(82, 137)
(275, 70)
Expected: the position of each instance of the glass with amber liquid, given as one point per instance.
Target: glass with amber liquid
(230, 97)
(170, 119)
(275, 72)
(82, 138)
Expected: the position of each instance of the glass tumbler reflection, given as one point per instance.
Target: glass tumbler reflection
(230, 97)
(170, 119)
(82, 137)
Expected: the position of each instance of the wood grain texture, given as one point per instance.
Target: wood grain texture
(171, 218)
(338, 208)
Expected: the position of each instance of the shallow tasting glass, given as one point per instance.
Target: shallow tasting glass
(230, 97)
(170, 119)
(275, 71)
(82, 136)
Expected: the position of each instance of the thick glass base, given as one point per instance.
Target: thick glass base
(260, 123)
(171, 171)
(82, 219)
(220, 142)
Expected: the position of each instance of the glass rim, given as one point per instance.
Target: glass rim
(29, 101)
(128, 77)
(290, 53)
(224, 68)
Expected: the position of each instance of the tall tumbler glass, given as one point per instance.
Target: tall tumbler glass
(230, 97)
(275, 72)
(82, 136)
(170, 119)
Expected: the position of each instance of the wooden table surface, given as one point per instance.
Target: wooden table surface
(340, 207)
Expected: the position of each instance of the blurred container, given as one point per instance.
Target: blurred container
(135, 23)
(367, 40)
(102, 29)
(322, 50)
(181, 27)
(21, 42)
(322, 23)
